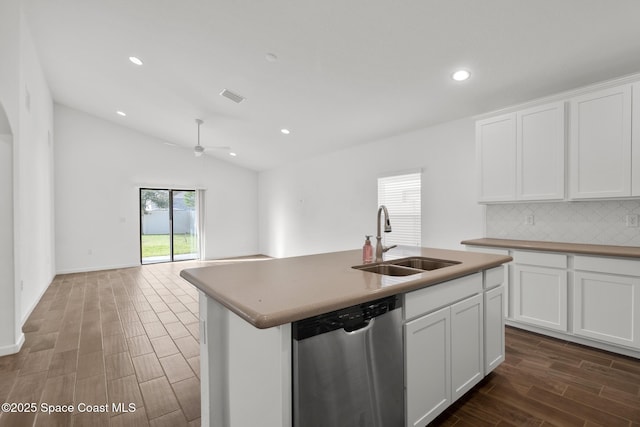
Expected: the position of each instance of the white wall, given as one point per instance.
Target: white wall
(26, 160)
(9, 88)
(7, 282)
(99, 168)
(329, 202)
(34, 216)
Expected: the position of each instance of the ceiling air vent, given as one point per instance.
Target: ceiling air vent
(232, 96)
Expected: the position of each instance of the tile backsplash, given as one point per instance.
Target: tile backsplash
(595, 222)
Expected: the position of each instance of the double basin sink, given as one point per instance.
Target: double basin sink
(406, 266)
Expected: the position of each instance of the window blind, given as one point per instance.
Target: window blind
(401, 195)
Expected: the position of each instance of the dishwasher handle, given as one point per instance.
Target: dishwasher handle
(360, 327)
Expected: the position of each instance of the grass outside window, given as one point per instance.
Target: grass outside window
(154, 245)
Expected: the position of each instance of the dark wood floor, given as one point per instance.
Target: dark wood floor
(131, 336)
(545, 382)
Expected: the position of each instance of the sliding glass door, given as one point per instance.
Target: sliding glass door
(168, 225)
(184, 242)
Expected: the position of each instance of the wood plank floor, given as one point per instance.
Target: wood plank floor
(550, 382)
(127, 336)
(131, 336)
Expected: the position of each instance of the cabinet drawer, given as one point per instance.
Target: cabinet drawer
(493, 277)
(432, 297)
(540, 258)
(627, 267)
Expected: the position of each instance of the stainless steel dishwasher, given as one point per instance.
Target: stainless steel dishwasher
(348, 367)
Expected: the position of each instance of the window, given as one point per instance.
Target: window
(168, 225)
(401, 195)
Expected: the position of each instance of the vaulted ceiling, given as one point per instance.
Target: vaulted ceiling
(336, 73)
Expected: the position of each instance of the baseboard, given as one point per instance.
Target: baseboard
(13, 348)
(100, 268)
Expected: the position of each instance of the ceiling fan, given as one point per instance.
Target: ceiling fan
(198, 150)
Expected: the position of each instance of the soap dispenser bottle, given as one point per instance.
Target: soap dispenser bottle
(367, 251)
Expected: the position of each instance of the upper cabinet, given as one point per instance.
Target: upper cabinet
(635, 141)
(521, 155)
(579, 148)
(600, 144)
(541, 148)
(496, 158)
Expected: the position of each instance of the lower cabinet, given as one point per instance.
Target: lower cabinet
(540, 290)
(444, 358)
(427, 366)
(585, 298)
(467, 349)
(493, 328)
(606, 307)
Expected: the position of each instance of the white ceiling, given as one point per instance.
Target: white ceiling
(348, 71)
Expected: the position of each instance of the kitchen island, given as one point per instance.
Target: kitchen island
(246, 312)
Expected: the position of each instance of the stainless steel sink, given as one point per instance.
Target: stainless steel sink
(388, 269)
(406, 266)
(423, 263)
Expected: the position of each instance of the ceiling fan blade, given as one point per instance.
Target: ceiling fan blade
(217, 147)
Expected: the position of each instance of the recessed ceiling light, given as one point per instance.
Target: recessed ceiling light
(461, 75)
(232, 154)
(135, 60)
(121, 113)
(285, 131)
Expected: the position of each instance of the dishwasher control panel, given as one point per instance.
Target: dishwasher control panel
(350, 318)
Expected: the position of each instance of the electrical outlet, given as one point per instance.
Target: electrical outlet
(529, 220)
(632, 220)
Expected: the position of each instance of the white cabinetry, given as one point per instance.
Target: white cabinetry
(428, 366)
(540, 152)
(447, 335)
(521, 155)
(467, 339)
(600, 144)
(540, 289)
(606, 300)
(635, 141)
(496, 158)
(444, 355)
(588, 299)
(494, 316)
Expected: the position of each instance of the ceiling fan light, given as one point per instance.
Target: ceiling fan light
(198, 150)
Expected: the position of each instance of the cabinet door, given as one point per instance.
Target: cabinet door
(427, 367)
(635, 142)
(467, 343)
(600, 144)
(493, 328)
(540, 296)
(540, 152)
(607, 307)
(496, 158)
